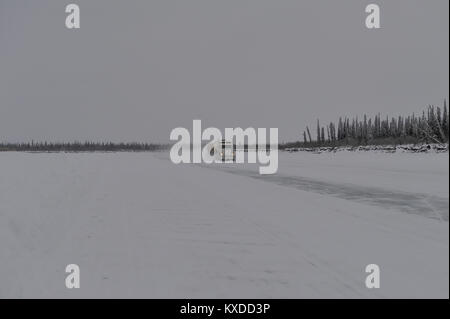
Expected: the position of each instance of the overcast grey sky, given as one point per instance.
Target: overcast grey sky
(137, 69)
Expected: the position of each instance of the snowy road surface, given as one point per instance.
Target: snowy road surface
(140, 226)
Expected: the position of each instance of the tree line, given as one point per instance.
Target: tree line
(432, 126)
(81, 147)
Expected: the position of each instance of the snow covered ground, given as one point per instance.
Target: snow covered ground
(140, 226)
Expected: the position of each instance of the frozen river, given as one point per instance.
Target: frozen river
(139, 226)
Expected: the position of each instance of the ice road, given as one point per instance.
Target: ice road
(139, 226)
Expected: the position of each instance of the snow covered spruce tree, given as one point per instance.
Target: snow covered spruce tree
(432, 126)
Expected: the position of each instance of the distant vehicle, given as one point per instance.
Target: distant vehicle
(223, 151)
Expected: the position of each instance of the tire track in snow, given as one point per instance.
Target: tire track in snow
(433, 207)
